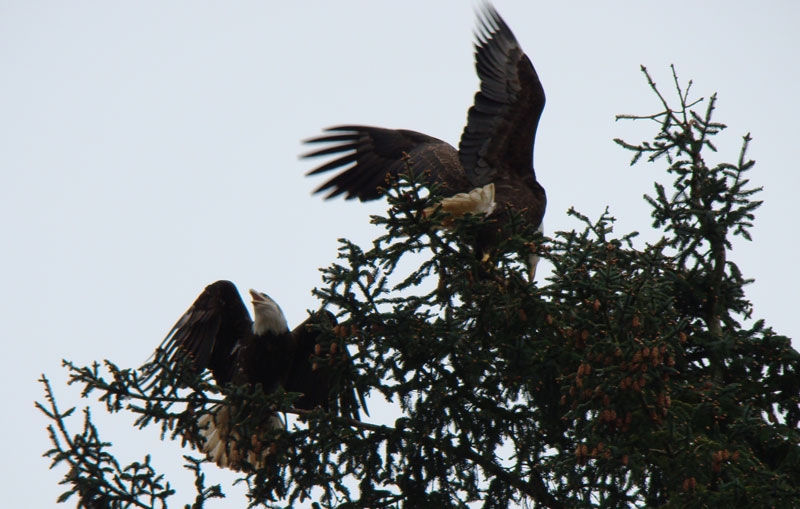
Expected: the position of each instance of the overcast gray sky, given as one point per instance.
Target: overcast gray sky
(150, 148)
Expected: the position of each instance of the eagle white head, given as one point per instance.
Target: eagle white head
(269, 318)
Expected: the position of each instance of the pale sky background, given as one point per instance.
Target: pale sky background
(150, 148)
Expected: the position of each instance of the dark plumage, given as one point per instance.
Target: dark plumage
(496, 145)
(216, 333)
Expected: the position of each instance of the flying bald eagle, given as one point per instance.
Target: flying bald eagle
(216, 333)
(494, 161)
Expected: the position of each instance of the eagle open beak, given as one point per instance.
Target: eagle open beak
(257, 297)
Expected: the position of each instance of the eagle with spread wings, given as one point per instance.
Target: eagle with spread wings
(492, 171)
(217, 334)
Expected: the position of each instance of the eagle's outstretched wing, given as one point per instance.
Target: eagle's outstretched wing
(368, 156)
(502, 122)
(207, 333)
(322, 383)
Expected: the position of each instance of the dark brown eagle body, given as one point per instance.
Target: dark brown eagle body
(496, 145)
(217, 333)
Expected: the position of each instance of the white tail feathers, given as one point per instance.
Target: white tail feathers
(221, 442)
(478, 201)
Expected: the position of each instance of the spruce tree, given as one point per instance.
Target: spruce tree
(634, 375)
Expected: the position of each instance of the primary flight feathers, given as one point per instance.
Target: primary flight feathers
(217, 333)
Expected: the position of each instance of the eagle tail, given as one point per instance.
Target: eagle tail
(220, 440)
(478, 201)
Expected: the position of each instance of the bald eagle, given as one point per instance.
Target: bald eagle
(494, 161)
(216, 333)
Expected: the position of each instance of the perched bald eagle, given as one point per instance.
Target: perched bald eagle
(494, 161)
(216, 333)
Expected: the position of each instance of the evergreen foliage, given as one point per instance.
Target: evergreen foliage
(635, 376)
